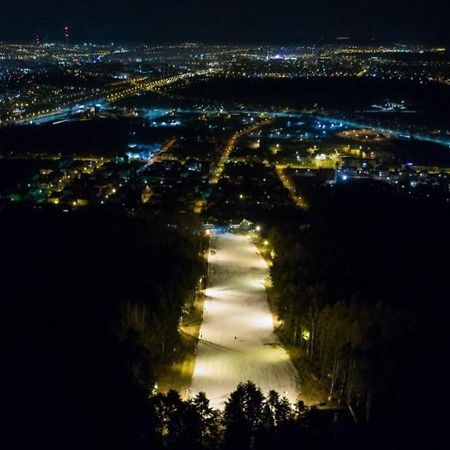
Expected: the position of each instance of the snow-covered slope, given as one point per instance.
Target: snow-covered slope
(237, 341)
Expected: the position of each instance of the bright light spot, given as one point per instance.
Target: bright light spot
(263, 321)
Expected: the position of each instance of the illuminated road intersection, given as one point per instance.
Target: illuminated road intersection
(237, 340)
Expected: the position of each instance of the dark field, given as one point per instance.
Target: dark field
(346, 95)
(105, 137)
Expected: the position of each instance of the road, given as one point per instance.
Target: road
(229, 147)
(111, 95)
(396, 133)
(291, 188)
(237, 341)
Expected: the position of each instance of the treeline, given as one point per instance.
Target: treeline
(250, 420)
(359, 284)
(90, 307)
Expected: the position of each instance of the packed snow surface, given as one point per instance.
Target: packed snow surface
(237, 340)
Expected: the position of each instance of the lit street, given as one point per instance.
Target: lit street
(237, 340)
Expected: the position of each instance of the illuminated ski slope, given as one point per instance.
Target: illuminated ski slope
(237, 341)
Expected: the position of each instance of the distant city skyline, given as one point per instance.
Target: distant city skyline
(286, 21)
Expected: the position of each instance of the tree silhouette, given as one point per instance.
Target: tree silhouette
(242, 416)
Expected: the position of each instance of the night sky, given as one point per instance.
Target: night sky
(280, 21)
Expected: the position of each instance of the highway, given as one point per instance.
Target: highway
(237, 342)
(111, 95)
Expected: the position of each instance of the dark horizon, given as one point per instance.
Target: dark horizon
(234, 22)
(45, 39)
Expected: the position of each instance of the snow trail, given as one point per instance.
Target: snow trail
(237, 340)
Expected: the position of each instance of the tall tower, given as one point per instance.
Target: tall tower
(66, 33)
